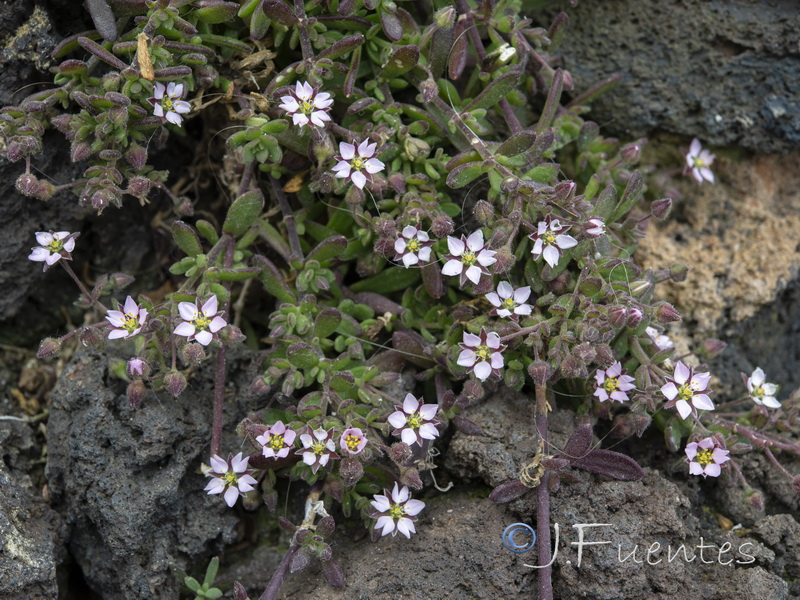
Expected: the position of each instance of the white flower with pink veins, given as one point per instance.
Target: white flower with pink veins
(200, 322)
(355, 161)
(307, 105)
(167, 102)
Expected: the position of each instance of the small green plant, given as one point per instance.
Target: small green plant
(205, 590)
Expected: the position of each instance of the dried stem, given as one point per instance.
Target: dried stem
(545, 583)
(93, 301)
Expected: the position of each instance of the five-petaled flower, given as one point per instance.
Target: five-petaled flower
(686, 391)
(318, 448)
(352, 441)
(230, 478)
(169, 105)
(353, 161)
(396, 511)
(127, 323)
(660, 340)
(595, 227)
(136, 367)
(550, 240)
(468, 257)
(413, 246)
(200, 322)
(613, 383)
(760, 391)
(307, 105)
(414, 422)
(276, 441)
(509, 302)
(482, 354)
(705, 457)
(698, 161)
(53, 246)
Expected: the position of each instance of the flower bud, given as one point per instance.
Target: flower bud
(678, 273)
(174, 383)
(397, 182)
(322, 147)
(354, 196)
(484, 212)
(442, 226)
(661, 208)
(666, 313)
(27, 185)
(49, 347)
(385, 228)
(385, 247)
(400, 453)
(231, 334)
(91, 337)
(45, 191)
(630, 154)
(756, 500)
(205, 76)
(239, 591)
(641, 422)
(192, 354)
(473, 390)
(505, 261)
(639, 287)
(513, 379)
(445, 17)
(136, 156)
(136, 391)
(138, 186)
(572, 368)
(410, 477)
(539, 372)
(416, 148)
(634, 317)
(564, 191)
(138, 368)
(80, 151)
(584, 352)
(618, 316)
(351, 470)
(712, 347)
(604, 356)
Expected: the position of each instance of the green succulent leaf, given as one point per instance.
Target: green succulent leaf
(243, 213)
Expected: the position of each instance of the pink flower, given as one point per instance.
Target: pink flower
(169, 106)
(352, 441)
(761, 392)
(53, 246)
(482, 354)
(686, 391)
(230, 478)
(413, 246)
(661, 341)
(595, 227)
(129, 323)
(396, 512)
(414, 422)
(705, 457)
(353, 161)
(307, 105)
(550, 239)
(199, 323)
(136, 367)
(613, 383)
(468, 257)
(318, 449)
(276, 441)
(509, 302)
(699, 161)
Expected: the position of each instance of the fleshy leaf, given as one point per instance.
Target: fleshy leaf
(495, 91)
(243, 212)
(402, 60)
(508, 491)
(186, 238)
(611, 464)
(578, 443)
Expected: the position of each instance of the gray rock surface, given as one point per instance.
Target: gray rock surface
(725, 71)
(128, 482)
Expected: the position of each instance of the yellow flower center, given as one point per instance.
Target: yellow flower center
(611, 384)
(396, 511)
(352, 442)
(699, 163)
(483, 352)
(413, 245)
(229, 478)
(201, 321)
(758, 392)
(306, 107)
(685, 392)
(130, 321)
(55, 246)
(509, 304)
(357, 163)
(548, 237)
(276, 442)
(415, 421)
(469, 258)
(318, 448)
(167, 103)
(704, 457)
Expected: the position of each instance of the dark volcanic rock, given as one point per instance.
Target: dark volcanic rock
(32, 537)
(129, 482)
(724, 71)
